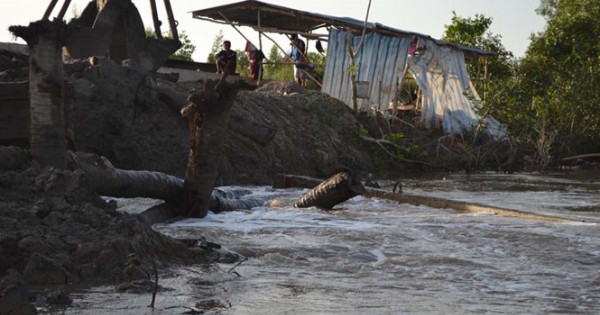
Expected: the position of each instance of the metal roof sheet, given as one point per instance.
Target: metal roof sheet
(288, 20)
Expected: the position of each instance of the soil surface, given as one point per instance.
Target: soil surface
(279, 128)
(57, 234)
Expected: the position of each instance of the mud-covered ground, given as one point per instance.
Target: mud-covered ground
(57, 234)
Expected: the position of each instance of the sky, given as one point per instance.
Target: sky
(514, 20)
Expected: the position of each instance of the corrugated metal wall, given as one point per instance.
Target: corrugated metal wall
(381, 61)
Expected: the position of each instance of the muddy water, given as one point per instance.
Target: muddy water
(379, 257)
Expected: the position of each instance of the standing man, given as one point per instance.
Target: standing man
(298, 55)
(255, 56)
(226, 59)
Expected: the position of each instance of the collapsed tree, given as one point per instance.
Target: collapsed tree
(208, 112)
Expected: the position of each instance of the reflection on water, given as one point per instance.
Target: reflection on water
(373, 256)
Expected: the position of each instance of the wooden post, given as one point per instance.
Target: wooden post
(172, 22)
(46, 91)
(49, 9)
(63, 10)
(155, 19)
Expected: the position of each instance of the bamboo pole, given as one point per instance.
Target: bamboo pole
(234, 27)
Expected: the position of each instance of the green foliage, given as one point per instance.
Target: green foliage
(216, 47)
(279, 72)
(468, 31)
(473, 32)
(319, 61)
(185, 52)
(243, 63)
(187, 49)
(405, 150)
(554, 100)
(394, 152)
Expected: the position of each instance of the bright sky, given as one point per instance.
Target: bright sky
(514, 20)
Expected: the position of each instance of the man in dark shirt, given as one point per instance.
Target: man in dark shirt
(226, 59)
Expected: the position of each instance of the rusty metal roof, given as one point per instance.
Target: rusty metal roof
(287, 20)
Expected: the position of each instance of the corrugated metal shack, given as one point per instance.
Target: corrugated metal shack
(448, 98)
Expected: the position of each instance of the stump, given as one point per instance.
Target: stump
(337, 189)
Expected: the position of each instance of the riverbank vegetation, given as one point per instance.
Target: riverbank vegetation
(549, 98)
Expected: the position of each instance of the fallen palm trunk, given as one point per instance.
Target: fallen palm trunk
(110, 181)
(289, 181)
(222, 201)
(337, 189)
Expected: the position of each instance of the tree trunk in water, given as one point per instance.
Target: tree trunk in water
(46, 91)
(337, 189)
(110, 181)
(208, 113)
(289, 181)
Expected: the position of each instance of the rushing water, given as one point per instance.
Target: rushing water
(371, 256)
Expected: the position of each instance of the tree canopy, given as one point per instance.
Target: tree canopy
(550, 99)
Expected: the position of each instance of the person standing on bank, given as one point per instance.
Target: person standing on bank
(226, 59)
(298, 55)
(256, 57)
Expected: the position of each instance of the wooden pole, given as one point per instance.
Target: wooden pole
(172, 22)
(155, 19)
(289, 181)
(49, 9)
(260, 46)
(63, 10)
(234, 27)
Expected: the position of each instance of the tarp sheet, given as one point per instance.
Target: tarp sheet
(450, 100)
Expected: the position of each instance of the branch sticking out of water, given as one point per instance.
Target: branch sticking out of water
(232, 269)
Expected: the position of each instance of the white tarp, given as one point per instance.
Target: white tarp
(449, 98)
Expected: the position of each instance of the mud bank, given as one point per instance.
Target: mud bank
(56, 234)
